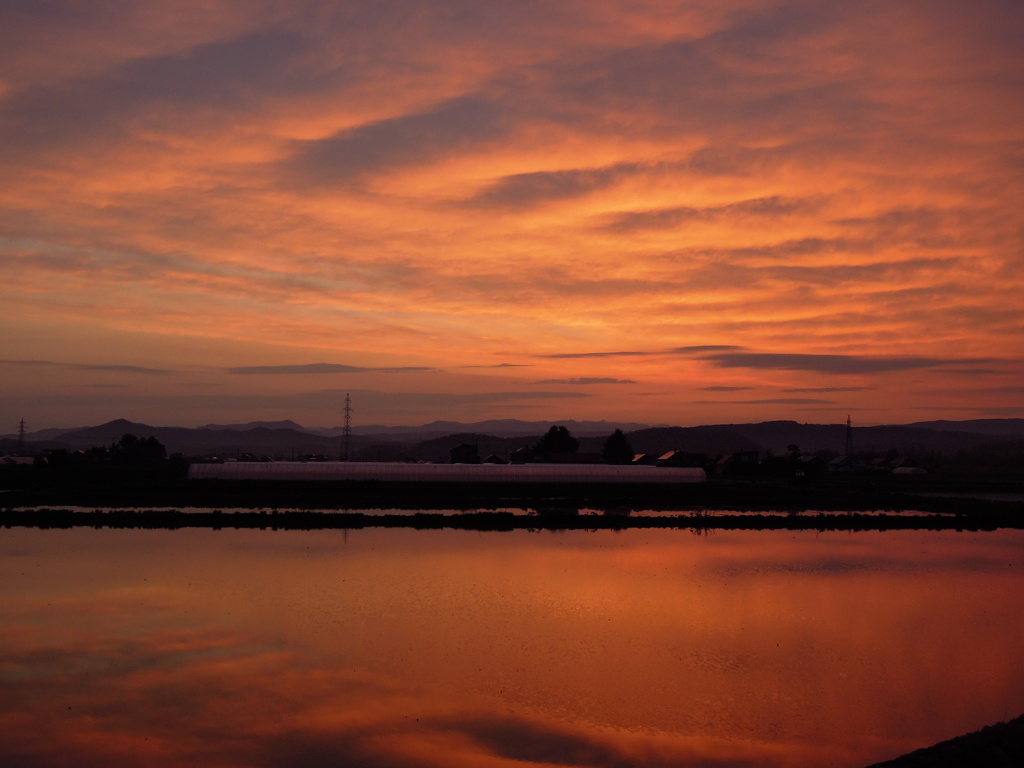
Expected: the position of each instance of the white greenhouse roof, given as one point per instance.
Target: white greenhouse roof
(444, 473)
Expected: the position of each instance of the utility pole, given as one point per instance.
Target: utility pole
(346, 433)
(849, 436)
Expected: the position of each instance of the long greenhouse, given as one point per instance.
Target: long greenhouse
(445, 473)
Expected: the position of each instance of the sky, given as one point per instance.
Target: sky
(715, 211)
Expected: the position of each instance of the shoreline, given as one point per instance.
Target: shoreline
(855, 502)
(954, 495)
(549, 519)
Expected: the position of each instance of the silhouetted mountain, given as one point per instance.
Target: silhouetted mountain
(261, 441)
(777, 436)
(105, 434)
(46, 434)
(713, 441)
(993, 427)
(286, 424)
(431, 442)
(496, 427)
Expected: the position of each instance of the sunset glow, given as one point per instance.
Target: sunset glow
(665, 212)
(456, 648)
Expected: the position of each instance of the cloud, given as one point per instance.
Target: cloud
(699, 348)
(587, 380)
(326, 401)
(122, 369)
(29, 362)
(723, 356)
(1003, 411)
(688, 350)
(417, 139)
(500, 365)
(837, 364)
(467, 179)
(670, 218)
(774, 401)
(319, 368)
(725, 389)
(436, 399)
(829, 389)
(162, 92)
(89, 367)
(526, 189)
(571, 355)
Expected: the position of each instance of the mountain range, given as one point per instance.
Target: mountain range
(431, 442)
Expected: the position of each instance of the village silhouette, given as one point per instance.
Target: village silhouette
(969, 470)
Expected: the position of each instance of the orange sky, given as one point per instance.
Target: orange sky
(666, 212)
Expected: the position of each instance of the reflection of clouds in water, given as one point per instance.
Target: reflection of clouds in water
(427, 649)
(196, 698)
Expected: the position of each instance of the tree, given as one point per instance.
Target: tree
(617, 449)
(558, 441)
(132, 450)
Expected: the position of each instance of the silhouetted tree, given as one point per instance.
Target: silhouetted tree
(617, 449)
(558, 441)
(133, 450)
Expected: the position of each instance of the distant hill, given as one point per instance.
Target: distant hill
(262, 441)
(45, 434)
(431, 442)
(286, 424)
(497, 428)
(105, 434)
(993, 427)
(713, 441)
(777, 436)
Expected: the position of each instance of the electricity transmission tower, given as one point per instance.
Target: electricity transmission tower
(21, 437)
(849, 437)
(346, 433)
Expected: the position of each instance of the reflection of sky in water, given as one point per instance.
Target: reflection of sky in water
(452, 648)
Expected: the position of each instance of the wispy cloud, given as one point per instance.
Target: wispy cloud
(585, 380)
(795, 390)
(597, 355)
(414, 139)
(658, 192)
(525, 189)
(670, 218)
(696, 349)
(318, 368)
(769, 401)
(122, 369)
(88, 367)
(823, 363)
(500, 365)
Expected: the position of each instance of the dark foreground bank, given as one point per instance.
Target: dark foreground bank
(996, 746)
(546, 519)
(167, 486)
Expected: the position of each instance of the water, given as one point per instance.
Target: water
(458, 648)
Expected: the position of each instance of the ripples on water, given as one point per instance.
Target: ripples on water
(439, 648)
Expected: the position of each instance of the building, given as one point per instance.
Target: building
(394, 472)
